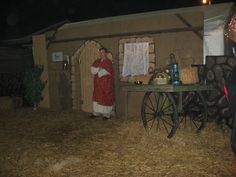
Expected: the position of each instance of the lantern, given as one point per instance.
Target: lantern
(66, 63)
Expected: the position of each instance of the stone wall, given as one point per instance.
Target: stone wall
(218, 69)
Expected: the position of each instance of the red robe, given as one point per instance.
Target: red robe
(103, 92)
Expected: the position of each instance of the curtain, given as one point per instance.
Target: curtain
(136, 59)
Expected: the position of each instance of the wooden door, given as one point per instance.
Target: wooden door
(88, 55)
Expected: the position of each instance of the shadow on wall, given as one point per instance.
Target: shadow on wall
(64, 87)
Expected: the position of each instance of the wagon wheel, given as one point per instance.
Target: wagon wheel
(159, 110)
(194, 111)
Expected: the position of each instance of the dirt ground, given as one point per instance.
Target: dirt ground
(65, 144)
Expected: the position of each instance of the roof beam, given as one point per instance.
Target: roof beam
(171, 30)
(189, 25)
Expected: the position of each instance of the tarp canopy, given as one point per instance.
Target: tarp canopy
(214, 29)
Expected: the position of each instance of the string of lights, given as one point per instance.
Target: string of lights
(230, 31)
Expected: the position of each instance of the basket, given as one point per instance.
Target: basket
(143, 78)
(161, 78)
(189, 75)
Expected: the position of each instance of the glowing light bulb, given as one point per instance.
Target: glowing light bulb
(206, 2)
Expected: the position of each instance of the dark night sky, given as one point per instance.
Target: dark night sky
(22, 17)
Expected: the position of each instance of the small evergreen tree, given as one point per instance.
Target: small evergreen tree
(33, 84)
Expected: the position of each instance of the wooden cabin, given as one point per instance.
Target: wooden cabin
(178, 31)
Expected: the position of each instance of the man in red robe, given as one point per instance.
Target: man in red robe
(103, 93)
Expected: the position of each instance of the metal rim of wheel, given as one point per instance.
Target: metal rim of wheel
(159, 109)
(194, 111)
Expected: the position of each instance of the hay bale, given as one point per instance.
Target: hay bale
(6, 102)
(17, 102)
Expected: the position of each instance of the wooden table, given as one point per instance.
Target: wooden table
(162, 88)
